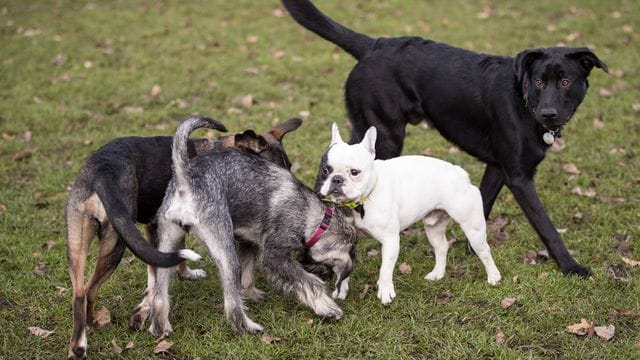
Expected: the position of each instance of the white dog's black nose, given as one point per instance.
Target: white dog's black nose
(337, 180)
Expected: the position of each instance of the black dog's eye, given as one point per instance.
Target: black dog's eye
(326, 170)
(538, 83)
(565, 82)
(355, 172)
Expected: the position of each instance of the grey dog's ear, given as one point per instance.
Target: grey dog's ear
(588, 59)
(522, 66)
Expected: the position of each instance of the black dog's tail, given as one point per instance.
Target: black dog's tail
(179, 154)
(124, 225)
(307, 15)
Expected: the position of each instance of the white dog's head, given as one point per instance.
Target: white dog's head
(346, 171)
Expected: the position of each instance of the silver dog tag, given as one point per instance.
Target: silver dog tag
(549, 137)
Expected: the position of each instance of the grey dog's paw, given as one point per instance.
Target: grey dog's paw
(254, 294)
(324, 306)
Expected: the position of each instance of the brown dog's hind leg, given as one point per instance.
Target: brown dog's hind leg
(110, 250)
(80, 231)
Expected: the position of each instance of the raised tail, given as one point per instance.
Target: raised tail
(179, 154)
(307, 15)
(120, 218)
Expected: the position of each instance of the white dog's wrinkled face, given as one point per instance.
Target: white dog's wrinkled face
(346, 170)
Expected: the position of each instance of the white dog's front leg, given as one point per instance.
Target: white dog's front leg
(390, 251)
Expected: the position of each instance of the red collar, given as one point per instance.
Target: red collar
(324, 225)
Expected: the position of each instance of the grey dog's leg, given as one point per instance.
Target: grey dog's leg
(219, 241)
(289, 275)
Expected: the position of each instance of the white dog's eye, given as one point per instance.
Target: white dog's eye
(355, 172)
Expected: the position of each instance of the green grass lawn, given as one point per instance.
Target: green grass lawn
(74, 75)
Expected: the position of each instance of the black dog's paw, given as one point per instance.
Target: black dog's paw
(577, 269)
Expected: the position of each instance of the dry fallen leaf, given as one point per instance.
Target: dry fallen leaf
(605, 332)
(499, 337)
(163, 346)
(155, 90)
(40, 269)
(267, 339)
(405, 268)
(558, 145)
(247, 101)
(497, 224)
(373, 252)
(454, 150)
(130, 345)
(116, 349)
(590, 192)
(507, 302)
(458, 272)
(598, 123)
(443, 298)
(571, 169)
(582, 328)
(101, 317)
(40, 332)
(252, 39)
(605, 92)
(48, 245)
(618, 272)
(132, 109)
(630, 262)
(364, 292)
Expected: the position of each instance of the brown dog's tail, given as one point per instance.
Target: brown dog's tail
(307, 15)
(125, 227)
(179, 154)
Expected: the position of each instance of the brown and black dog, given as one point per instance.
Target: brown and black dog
(122, 183)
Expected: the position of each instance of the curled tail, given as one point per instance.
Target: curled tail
(307, 15)
(120, 217)
(179, 154)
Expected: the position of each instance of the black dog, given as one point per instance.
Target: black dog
(504, 111)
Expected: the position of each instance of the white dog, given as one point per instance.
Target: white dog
(387, 196)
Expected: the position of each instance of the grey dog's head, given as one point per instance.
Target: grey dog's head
(335, 252)
(554, 82)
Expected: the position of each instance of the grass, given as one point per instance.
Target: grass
(56, 109)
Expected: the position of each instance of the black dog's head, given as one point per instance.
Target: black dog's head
(554, 82)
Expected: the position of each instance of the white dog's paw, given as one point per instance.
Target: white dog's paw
(386, 293)
(193, 274)
(434, 275)
(494, 279)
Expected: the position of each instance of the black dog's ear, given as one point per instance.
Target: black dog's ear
(280, 130)
(522, 65)
(588, 59)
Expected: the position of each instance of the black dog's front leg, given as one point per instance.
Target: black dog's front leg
(524, 191)
(492, 182)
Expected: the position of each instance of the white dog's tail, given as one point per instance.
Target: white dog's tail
(179, 153)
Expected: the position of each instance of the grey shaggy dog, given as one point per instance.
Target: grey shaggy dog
(224, 193)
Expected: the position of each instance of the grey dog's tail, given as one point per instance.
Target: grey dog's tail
(179, 154)
(307, 15)
(120, 218)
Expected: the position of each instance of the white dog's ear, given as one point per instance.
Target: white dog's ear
(335, 135)
(369, 140)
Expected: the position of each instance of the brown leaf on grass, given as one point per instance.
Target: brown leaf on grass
(618, 272)
(500, 238)
(59, 59)
(443, 298)
(278, 54)
(247, 101)
(598, 123)
(130, 345)
(590, 192)
(426, 152)
(252, 70)
(604, 92)
(373, 252)
(458, 272)
(39, 332)
(405, 268)
(571, 169)
(605, 332)
(133, 110)
(24, 153)
(267, 339)
(252, 39)
(364, 292)
(497, 224)
(558, 145)
(116, 349)
(582, 328)
(617, 313)
(155, 90)
(577, 217)
(630, 262)
(163, 346)
(48, 245)
(453, 150)
(40, 269)
(637, 345)
(500, 337)
(530, 258)
(507, 302)
(101, 317)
